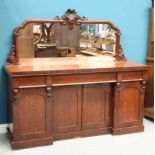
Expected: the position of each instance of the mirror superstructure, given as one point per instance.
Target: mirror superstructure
(66, 36)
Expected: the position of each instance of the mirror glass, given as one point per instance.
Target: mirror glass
(57, 40)
(97, 39)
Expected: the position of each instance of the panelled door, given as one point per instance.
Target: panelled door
(66, 111)
(96, 106)
(129, 97)
(31, 113)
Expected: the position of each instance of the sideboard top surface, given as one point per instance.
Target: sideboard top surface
(68, 65)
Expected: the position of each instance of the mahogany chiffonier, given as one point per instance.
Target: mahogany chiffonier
(79, 85)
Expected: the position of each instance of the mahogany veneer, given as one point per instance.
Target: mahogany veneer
(59, 98)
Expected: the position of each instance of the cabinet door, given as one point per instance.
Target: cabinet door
(128, 110)
(31, 114)
(96, 103)
(66, 108)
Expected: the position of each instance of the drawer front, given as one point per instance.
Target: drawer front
(33, 81)
(82, 78)
(130, 76)
(70, 79)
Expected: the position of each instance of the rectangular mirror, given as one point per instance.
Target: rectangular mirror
(56, 40)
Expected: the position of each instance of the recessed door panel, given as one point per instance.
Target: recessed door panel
(66, 108)
(128, 105)
(31, 114)
(96, 103)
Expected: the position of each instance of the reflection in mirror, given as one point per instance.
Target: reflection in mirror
(25, 42)
(97, 39)
(57, 40)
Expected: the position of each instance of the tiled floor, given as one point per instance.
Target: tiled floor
(131, 144)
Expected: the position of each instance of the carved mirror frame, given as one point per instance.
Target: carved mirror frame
(71, 19)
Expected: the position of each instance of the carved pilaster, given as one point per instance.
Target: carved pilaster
(143, 86)
(117, 88)
(15, 95)
(48, 93)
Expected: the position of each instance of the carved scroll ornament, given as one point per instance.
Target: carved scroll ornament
(12, 59)
(71, 18)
